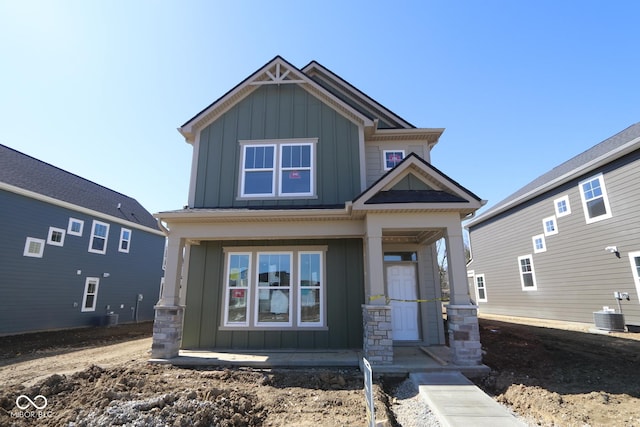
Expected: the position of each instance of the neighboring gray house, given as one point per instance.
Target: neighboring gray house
(312, 211)
(72, 251)
(560, 247)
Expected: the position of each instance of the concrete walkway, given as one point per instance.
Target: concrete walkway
(457, 402)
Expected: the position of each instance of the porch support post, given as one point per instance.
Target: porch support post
(462, 316)
(167, 326)
(376, 314)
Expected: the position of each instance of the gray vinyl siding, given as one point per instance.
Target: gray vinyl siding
(270, 113)
(39, 293)
(575, 276)
(374, 156)
(344, 296)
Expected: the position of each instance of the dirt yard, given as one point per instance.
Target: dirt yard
(100, 377)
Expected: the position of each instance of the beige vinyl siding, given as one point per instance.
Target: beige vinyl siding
(375, 150)
(575, 276)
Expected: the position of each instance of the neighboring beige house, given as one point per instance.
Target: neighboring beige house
(313, 211)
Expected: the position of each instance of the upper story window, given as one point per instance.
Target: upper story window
(539, 244)
(283, 168)
(392, 158)
(99, 236)
(550, 226)
(55, 236)
(562, 206)
(594, 199)
(75, 227)
(527, 274)
(125, 240)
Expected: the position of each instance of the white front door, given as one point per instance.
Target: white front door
(401, 285)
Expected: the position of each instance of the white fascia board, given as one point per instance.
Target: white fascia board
(77, 208)
(240, 214)
(581, 170)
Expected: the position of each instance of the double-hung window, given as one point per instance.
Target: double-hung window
(99, 236)
(527, 274)
(90, 295)
(125, 240)
(271, 288)
(481, 288)
(634, 259)
(594, 199)
(283, 168)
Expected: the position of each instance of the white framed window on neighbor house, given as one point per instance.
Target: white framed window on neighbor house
(284, 168)
(634, 259)
(562, 206)
(125, 240)
(55, 236)
(272, 288)
(391, 158)
(99, 237)
(90, 295)
(550, 226)
(33, 247)
(539, 244)
(481, 288)
(595, 202)
(75, 227)
(527, 273)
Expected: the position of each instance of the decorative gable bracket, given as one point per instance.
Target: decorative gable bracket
(276, 75)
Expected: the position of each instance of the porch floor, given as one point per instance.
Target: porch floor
(406, 360)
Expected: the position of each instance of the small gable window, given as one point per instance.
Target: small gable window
(278, 169)
(33, 247)
(392, 158)
(562, 206)
(56, 236)
(594, 199)
(75, 227)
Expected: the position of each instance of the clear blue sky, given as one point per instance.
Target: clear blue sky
(98, 88)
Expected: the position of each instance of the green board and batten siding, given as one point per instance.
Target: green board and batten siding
(278, 112)
(344, 296)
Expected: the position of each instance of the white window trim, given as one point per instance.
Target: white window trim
(384, 157)
(484, 287)
(564, 199)
(276, 184)
(85, 294)
(70, 229)
(300, 288)
(122, 239)
(256, 322)
(605, 198)
(227, 288)
(27, 245)
(106, 238)
(634, 272)
(50, 236)
(533, 274)
(555, 225)
(544, 243)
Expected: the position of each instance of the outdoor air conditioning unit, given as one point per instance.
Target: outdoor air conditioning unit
(609, 320)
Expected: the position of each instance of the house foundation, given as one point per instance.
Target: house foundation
(167, 332)
(464, 334)
(378, 334)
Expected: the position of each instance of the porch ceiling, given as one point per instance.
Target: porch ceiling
(407, 235)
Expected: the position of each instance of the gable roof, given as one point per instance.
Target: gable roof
(441, 192)
(600, 154)
(29, 176)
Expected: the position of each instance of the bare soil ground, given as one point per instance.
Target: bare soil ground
(99, 376)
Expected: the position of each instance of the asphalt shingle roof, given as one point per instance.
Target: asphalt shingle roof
(23, 171)
(575, 163)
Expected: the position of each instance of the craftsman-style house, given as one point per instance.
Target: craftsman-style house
(312, 217)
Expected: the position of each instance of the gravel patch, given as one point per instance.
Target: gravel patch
(410, 408)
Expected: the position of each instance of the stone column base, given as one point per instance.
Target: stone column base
(378, 335)
(167, 332)
(464, 334)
